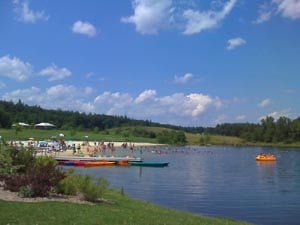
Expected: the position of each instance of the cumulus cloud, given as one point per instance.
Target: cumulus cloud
(88, 90)
(27, 15)
(235, 42)
(264, 103)
(114, 103)
(150, 15)
(289, 8)
(32, 95)
(84, 28)
(277, 114)
(286, 8)
(183, 79)
(15, 68)
(144, 96)
(240, 118)
(178, 108)
(54, 73)
(61, 92)
(198, 21)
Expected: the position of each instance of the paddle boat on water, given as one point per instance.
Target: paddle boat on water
(265, 157)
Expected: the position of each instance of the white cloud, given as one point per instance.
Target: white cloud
(286, 8)
(289, 8)
(54, 73)
(178, 108)
(144, 96)
(183, 79)
(264, 103)
(31, 95)
(84, 28)
(240, 118)
(265, 12)
(276, 115)
(61, 92)
(88, 90)
(150, 15)
(235, 42)
(27, 15)
(15, 68)
(198, 21)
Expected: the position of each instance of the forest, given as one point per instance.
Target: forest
(269, 130)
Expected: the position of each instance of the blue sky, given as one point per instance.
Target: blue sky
(183, 62)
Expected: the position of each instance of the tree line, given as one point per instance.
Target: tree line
(268, 130)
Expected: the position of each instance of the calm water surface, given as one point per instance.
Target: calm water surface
(215, 181)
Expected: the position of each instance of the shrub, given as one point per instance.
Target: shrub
(13, 182)
(93, 189)
(84, 184)
(69, 185)
(6, 166)
(26, 191)
(22, 158)
(44, 178)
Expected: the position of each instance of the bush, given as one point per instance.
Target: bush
(93, 189)
(6, 166)
(42, 178)
(26, 191)
(22, 159)
(14, 182)
(90, 189)
(69, 185)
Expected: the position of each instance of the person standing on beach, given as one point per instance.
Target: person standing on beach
(74, 149)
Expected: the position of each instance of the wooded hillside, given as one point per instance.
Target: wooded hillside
(268, 130)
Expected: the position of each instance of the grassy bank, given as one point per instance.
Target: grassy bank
(125, 211)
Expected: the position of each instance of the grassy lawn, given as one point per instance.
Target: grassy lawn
(125, 211)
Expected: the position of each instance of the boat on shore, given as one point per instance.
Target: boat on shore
(98, 163)
(265, 157)
(95, 159)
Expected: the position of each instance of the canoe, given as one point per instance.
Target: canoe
(265, 157)
(149, 164)
(98, 163)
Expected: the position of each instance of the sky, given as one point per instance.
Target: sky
(179, 62)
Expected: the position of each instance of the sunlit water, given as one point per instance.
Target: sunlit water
(215, 181)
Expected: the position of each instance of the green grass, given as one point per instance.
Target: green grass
(125, 211)
(109, 135)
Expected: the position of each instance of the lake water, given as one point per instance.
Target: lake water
(215, 181)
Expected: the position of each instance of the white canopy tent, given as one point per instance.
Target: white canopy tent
(21, 124)
(44, 125)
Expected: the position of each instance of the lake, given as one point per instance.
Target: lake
(215, 181)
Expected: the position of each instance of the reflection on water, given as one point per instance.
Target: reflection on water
(215, 181)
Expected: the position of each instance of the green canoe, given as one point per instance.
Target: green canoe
(149, 164)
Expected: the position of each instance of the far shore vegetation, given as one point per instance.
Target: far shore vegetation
(283, 132)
